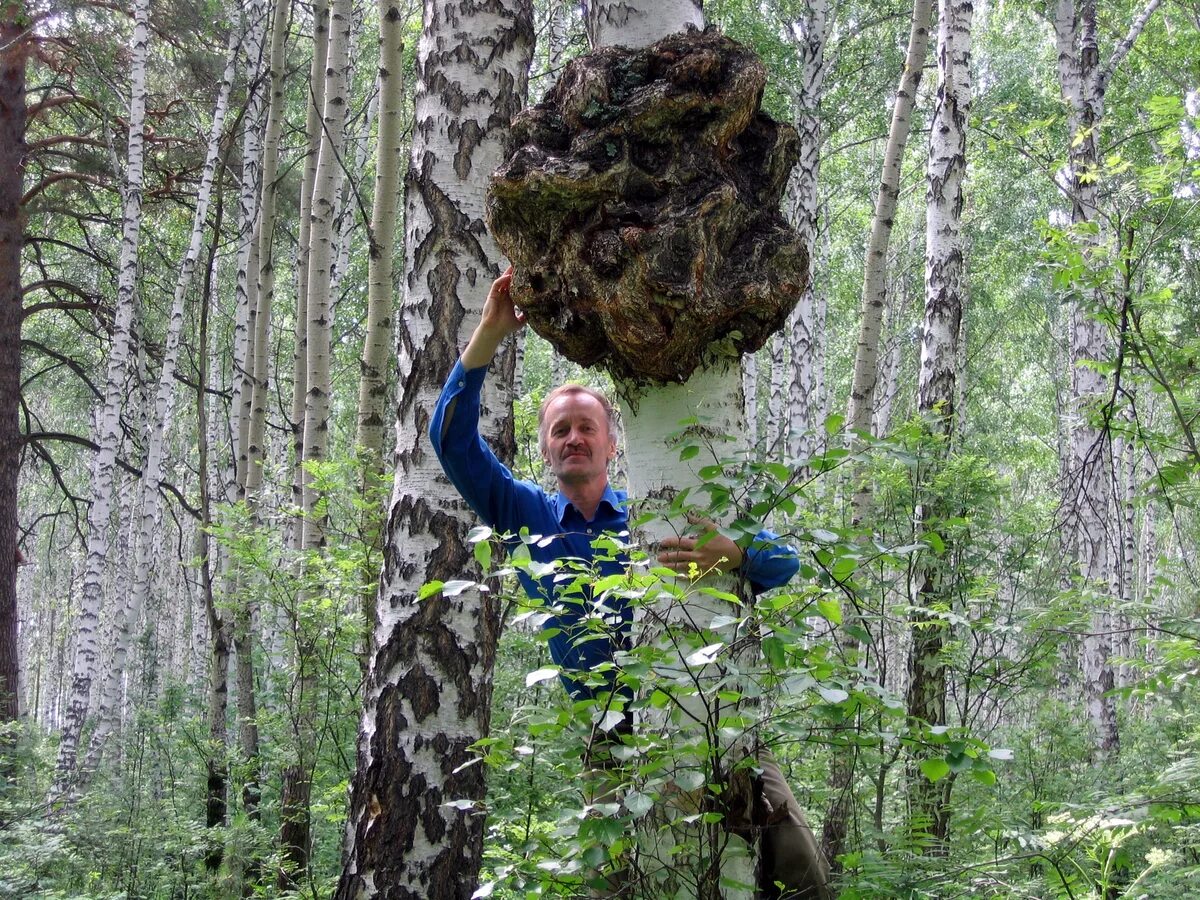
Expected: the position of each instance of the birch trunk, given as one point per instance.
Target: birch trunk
(929, 814)
(243, 622)
(149, 516)
(866, 361)
(428, 690)
(373, 384)
(677, 858)
(13, 50)
(777, 398)
(295, 834)
(246, 290)
(108, 425)
(809, 33)
(1083, 81)
(750, 396)
(312, 129)
(717, 861)
(216, 749)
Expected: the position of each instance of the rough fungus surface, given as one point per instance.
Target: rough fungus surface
(640, 207)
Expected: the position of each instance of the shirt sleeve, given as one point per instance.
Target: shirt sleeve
(769, 563)
(483, 481)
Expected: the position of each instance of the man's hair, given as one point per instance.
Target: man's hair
(610, 412)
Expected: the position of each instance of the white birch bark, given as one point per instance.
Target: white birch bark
(312, 129)
(149, 516)
(750, 395)
(272, 129)
(428, 689)
(863, 380)
(108, 429)
(246, 283)
(1083, 81)
(866, 358)
(777, 396)
(295, 813)
(937, 392)
(655, 470)
(638, 23)
(809, 33)
(656, 474)
(373, 384)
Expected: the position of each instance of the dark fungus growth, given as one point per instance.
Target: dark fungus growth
(640, 206)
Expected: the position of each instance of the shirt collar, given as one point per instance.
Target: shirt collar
(614, 499)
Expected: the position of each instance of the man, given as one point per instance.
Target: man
(577, 440)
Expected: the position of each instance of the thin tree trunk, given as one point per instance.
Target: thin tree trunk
(245, 612)
(373, 386)
(866, 356)
(934, 589)
(216, 749)
(149, 517)
(750, 396)
(295, 834)
(108, 425)
(246, 290)
(777, 398)
(1083, 81)
(312, 129)
(14, 48)
(428, 691)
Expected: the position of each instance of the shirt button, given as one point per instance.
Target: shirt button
(589, 531)
(461, 383)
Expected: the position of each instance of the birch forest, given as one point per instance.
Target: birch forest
(254, 644)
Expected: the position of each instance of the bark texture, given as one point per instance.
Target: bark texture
(429, 684)
(866, 360)
(929, 814)
(641, 209)
(1088, 511)
(13, 51)
(108, 420)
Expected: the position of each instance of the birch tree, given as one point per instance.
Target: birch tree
(945, 295)
(428, 692)
(1083, 82)
(295, 813)
(148, 520)
(866, 355)
(312, 130)
(107, 422)
(809, 33)
(373, 383)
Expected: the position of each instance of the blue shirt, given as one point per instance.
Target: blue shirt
(584, 634)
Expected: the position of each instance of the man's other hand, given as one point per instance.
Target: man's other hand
(707, 551)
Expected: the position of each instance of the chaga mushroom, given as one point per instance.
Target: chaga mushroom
(640, 207)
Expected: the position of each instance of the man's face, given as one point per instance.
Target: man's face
(577, 446)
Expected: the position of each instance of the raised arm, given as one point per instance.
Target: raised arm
(500, 319)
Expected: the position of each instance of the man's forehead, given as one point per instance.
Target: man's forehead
(575, 405)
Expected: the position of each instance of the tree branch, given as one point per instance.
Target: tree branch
(36, 438)
(1121, 50)
(57, 177)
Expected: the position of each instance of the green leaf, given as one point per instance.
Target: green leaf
(429, 589)
(689, 452)
(984, 776)
(935, 769)
(834, 423)
(830, 610)
(483, 554)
